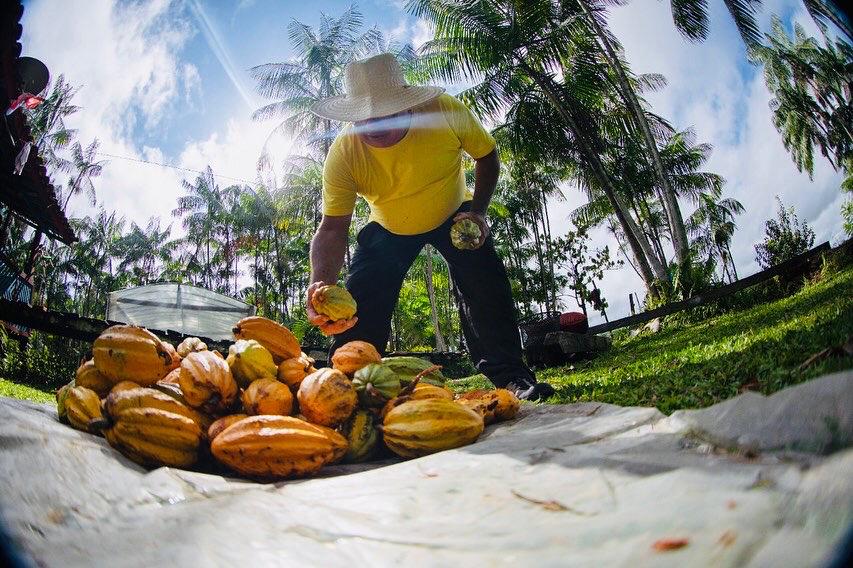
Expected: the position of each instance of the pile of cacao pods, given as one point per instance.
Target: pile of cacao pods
(264, 411)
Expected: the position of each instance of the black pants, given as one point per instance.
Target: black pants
(481, 287)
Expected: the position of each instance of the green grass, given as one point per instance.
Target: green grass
(14, 390)
(696, 365)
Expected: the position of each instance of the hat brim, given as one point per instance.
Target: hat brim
(353, 109)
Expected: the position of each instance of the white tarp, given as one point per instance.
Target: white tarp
(571, 485)
(189, 310)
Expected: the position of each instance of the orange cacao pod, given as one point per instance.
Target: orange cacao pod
(327, 397)
(88, 376)
(277, 339)
(267, 396)
(219, 425)
(334, 302)
(189, 345)
(206, 382)
(352, 356)
(495, 405)
(277, 446)
(130, 353)
(292, 371)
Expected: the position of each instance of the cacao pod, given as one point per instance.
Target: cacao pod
(293, 370)
(173, 377)
(173, 353)
(276, 446)
(352, 356)
(327, 397)
(154, 437)
(250, 361)
(424, 390)
(362, 437)
(465, 234)
(267, 396)
(407, 368)
(334, 302)
(190, 345)
(123, 386)
(146, 397)
(82, 406)
(88, 376)
(420, 427)
(495, 405)
(61, 396)
(206, 382)
(375, 383)
(130, 353)
(219, 425)
(277, 339)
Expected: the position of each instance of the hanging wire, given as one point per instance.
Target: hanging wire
(152, 163)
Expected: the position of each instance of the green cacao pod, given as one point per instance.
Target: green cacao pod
(250, 361)
(407, 367)
(333, 301)
(362, 435)
(465, 234)
(375, 383)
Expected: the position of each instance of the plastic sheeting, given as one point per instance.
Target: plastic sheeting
(187, 309)
(580, 484)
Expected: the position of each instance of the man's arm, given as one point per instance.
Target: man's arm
(486, 171)
(328, 248)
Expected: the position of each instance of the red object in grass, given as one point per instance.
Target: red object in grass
(575, 322)
(667, 544)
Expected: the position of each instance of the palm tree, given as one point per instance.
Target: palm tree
(812, 90)
(86, 167)
(691, 18)
(712, 225)
(317, 74)
(201, 209)
(516, 52)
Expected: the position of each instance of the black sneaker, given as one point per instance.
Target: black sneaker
(526, 389)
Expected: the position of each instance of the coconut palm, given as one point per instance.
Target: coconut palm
(317, 73)
(515, 52)
(812, 90)
(712, 226)
(691, 18)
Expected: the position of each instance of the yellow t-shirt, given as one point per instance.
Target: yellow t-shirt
(414, 185)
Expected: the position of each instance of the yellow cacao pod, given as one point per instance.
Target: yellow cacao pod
(327, 397)
(123, 386)
(191, 345)
(267, 396)
(82, 406)
(207, 383)
(61, 397)
(420, 427)
(250, 361)
(465, 234)
(130, 353)
(362, 437)
(334, 302)
(424, 390)
(88, 376)
(154, 437)
(292, 371)
(495, 405)
(219, 425)
(146, 397)
(276, 446)
(352, 356)
(277, 339)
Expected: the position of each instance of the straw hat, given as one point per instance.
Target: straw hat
(375, 87)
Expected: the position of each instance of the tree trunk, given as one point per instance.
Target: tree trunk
(650, 270)
(732, 262)
(669, 199)
(440, 345)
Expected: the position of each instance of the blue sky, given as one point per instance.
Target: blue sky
(167, 81)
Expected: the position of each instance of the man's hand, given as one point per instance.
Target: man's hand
(327, 326)
(481, 222)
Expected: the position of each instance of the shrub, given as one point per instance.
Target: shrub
(785, 238)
